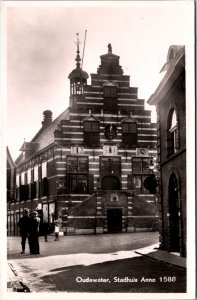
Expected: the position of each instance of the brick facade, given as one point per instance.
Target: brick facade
(169, 99)
(89, 183)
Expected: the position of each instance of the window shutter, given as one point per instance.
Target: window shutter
(91, 183)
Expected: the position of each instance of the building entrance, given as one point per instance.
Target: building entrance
(174, 215)
(114, 220)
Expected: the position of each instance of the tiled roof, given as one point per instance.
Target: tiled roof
(44, 137)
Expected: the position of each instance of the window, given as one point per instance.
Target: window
(44, 169)
(29, 176)
(35, 172)
(91, 133)
(129, 134)
(77, 169)
(17, 180)
(172, 133)
(34, 184)
(110, 165)
(140, 171)
(44, 180)
(110, 91)
(23, 187)
(22, 178)
(110, 97)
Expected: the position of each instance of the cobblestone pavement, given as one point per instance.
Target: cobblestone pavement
(97, 263)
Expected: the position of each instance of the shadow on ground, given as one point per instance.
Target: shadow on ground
(65, 279)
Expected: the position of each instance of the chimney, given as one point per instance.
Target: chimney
(47, 118)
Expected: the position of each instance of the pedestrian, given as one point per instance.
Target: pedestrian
(56, 230)
(34, 233)
(45, 230)
(23, 224)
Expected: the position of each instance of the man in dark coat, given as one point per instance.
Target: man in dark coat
(34, 233)
(23, 224)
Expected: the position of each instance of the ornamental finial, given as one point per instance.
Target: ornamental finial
(78, 58)
(109, 48)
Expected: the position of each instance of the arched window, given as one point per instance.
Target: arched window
(172, 133)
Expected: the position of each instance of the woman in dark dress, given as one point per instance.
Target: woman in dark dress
(34, 233)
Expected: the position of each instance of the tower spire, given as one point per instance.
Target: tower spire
(78, 58)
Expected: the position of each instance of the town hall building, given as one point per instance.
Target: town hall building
(87, 167)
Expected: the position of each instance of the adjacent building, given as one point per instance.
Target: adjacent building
(10, 186)
(87, 167)
(169, 99)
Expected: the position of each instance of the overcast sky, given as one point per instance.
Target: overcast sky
(41, 51)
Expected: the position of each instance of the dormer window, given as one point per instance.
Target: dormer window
(129, 133)
(91, 129)
(110, 91)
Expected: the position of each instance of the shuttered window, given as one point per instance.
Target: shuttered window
(91, 133)
(129, 134)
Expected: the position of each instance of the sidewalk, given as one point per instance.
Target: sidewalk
(165, 256)
(14, 282)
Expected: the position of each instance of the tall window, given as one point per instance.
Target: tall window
(17, 186)
(129, 134)
(77, 169)
(24, 191)
(29, 176)
(172, 136)
(35, 172)
(140, 171)
(110, 97)
(35, 185)
(44, 180)
(91, 133)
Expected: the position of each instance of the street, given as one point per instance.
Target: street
(96, 263)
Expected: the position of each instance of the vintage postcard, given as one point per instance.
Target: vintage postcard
(97, 150)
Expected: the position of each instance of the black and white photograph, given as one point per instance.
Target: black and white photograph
(97, 137)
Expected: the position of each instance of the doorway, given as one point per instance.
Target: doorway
(114, 220)
(174, 215)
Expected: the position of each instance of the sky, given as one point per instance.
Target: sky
(40, 51)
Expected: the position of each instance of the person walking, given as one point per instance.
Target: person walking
(34, 233)
(57, 230)
(45, 230)
(23, 224)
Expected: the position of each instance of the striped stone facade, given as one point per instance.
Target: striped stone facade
(89, 179)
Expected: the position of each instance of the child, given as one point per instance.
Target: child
(56, 231)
